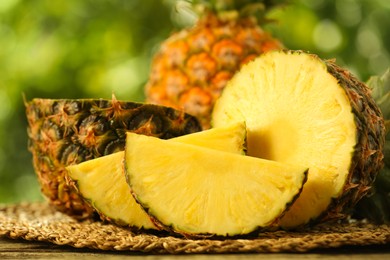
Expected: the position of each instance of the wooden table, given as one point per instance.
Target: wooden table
(17, 249)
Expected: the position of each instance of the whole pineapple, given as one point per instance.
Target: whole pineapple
(64, 132)
(376, 207)
(193, 66)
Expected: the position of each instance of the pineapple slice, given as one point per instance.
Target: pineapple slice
(300, 109)
(194, 190)
(101, 181)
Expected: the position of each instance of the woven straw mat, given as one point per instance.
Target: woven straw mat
(39, 222)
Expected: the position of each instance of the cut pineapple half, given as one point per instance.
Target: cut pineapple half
(194, 190)
(101, 181)
(302, 110)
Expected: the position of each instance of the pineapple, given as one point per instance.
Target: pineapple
(198, 191)
(192, 66)
(376, 207)
(300, 109)
(64, 132)
(101, 181)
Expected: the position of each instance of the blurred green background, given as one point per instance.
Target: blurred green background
(93, 48)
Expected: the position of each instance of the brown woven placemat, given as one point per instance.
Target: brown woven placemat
(39, 222)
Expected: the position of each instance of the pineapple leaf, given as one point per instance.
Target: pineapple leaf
(380, 85)
(229, 9)
(387, 125)
(384, 104)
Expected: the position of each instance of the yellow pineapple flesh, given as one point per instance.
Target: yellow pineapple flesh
(102, 183)
(302, 110)
(195, 191)
(193, 65)
(229, 138)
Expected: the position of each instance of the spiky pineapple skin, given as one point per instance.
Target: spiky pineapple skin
(193, 66)
(62, 132)
(368, 156)
(376, 206)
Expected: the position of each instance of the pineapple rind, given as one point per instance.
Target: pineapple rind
(194, 190)
(367, 159)
(376, 206)
(62, 132)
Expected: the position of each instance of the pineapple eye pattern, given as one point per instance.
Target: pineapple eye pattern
(72, 108)
(148, 121)
(229, 53)
(93, 125)
(67, 107)
(201, 67)
(73, 154)
(114, 146)
(50, 132)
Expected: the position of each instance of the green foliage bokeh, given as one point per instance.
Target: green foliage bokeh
(93, 48)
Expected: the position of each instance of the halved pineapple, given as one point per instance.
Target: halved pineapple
(302, 110)
(194, 190)
(101, 181)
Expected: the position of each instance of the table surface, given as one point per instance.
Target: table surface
(16, 249)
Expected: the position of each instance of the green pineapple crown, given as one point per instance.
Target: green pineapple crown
(231, 9)
(238, 5)
(380, 86)
(376, 207)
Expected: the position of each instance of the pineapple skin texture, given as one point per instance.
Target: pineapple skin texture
(193, 66)
(368, 157)
(64, 132)
(376, 206)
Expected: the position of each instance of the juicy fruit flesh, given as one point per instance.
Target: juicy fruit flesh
(102, 182)
(230, 138)
(196, 190)
(295, 112)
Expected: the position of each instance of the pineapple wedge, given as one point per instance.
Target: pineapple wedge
(101, 181)
(194, 191)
